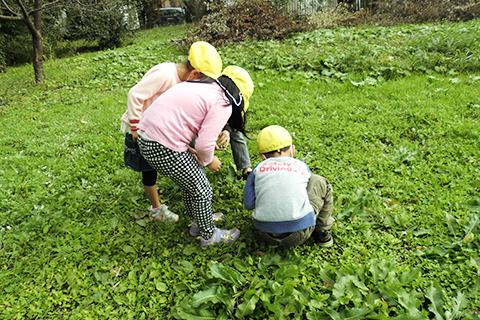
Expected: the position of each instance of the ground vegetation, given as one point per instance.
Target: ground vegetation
(390, 115)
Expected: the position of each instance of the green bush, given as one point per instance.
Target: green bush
(100, 23)
(19, 48)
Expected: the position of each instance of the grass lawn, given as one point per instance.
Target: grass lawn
(390, 116)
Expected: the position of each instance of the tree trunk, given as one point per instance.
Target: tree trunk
(38, 58)
(38, 43)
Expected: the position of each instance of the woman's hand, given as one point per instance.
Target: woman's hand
(223, 140)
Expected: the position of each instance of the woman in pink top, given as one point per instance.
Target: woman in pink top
(202, 57)
(202, 107)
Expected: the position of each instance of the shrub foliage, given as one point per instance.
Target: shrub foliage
(246, 20)
(397, 12)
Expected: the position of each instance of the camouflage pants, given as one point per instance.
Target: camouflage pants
(320, 194)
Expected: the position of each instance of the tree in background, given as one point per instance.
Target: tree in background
(102, 21)
(147, 11)
(195, 10)
(29, 14)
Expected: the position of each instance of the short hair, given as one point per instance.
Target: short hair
(268, 154)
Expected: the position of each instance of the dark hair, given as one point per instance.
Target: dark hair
(270, 153)
(189, 66)
(238, 118)
(202, 78)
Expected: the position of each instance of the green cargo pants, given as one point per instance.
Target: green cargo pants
(320, 194)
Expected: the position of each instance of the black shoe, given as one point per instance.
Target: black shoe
(324, 238)
(245, 175)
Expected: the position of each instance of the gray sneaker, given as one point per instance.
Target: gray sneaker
(163, 214)
(324, 238)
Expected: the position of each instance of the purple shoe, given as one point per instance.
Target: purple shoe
(194, 230)
(219, 236)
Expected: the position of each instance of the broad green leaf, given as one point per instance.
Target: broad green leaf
(418, 252)
(231, 173)
(273, 308)
(407, 277)
(458, 304)
(269, 259)
(315, 304)
(475, 261)
(240, 265)
(114, 222)
(472, 204)
(379, 316)
(370, 81)
(161, 286)
(317, 315)
(286, 272)
(472, 224)
(409, 302)
(440, 251)
(381, 269)
(128, 249)
(451, 223)
(223, 315)
(209, 295)
(248, 306)
(411, 315)
(226, 273)
(347, 289)
(356, 84)
(155, 273)
(422, 232)
(189, 250)
(224, 296)
(347, 212)
(328, 275)
(292, 307)
(120, 299)
(284, 294)
(352, 314)
(187, 315)
(434, 294)
(389, 293)
(181, 287)
(475, 184)
(141, 222)
(187, 266)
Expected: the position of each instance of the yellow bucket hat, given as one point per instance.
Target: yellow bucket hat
(242, 80)
(273, 138)
(204, 58)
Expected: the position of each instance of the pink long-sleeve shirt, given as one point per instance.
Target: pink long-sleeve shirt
(187, 109)
(156, 81)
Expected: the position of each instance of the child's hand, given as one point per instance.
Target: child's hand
(215, 165)
(194, 152)
(223, 140)
(134, 136)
